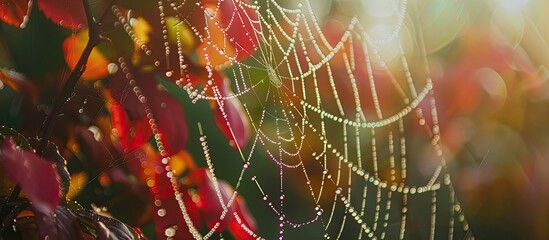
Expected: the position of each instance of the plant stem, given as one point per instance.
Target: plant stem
(94, 39)
(67, 90)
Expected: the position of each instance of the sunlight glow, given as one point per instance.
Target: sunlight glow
(513, 4)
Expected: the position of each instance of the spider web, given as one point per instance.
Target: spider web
(360, 167)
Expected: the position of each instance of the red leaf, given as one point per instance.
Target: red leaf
(229, 29)
(51, 153)
(15, 12)
(237, 19)
(208, 201)
(121, 94)
(229, 115)
(169, 118)
(37, 177)
(247, 223)
(168, 219)
(133, 164)
(139, 233)
(67, 13)
(167, 212)
(132, 134)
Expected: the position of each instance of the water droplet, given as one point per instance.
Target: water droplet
(143, 99)
(112, 68)
(24, 22)
(169, 232)
(161, 212)
(97, 135)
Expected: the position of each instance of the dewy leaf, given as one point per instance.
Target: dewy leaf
(37, 177)
(230, 117)
(89, 220)
(15, 12)
(103, 233)
(73, 46)
(63, 224)
(117, 229)
(18, 82)
(19, 139)
(67, 13)
(51, 152)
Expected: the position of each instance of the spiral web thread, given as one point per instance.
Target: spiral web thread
(355, 163)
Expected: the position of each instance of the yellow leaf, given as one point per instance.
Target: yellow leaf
(217, 53)
(186, 36)
(181, 161)
(141, 28)
(78, 182)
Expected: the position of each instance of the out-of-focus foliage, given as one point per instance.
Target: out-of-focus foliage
(488, 60)
(108, 126)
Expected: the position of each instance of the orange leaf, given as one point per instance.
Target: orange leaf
(78, 182)
(181, 161)
(219, 51)
(73, 46)
(18, 82)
